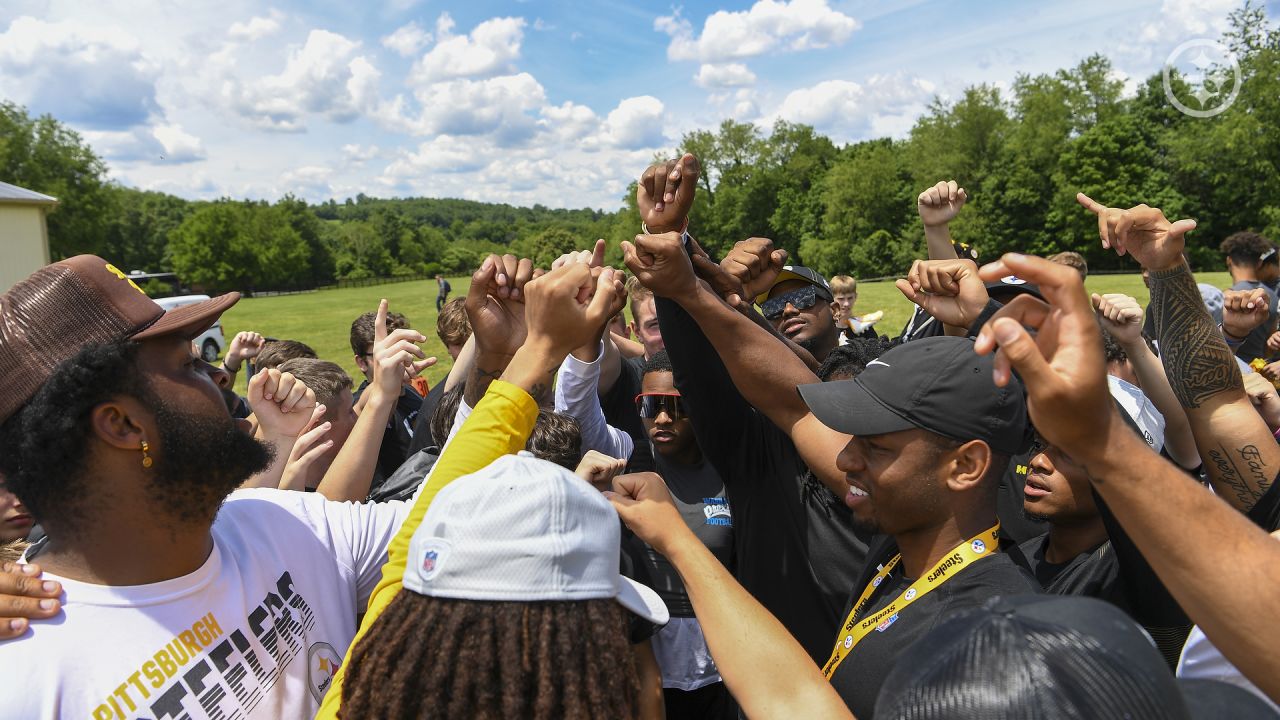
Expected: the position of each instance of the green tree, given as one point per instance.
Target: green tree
(213, 250)
(44, 155)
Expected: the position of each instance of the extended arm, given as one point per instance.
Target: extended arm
(576, 395)
(1240, 455)
(766, 670)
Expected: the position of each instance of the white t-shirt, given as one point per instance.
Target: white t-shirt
(1202, 661)
(255, 632)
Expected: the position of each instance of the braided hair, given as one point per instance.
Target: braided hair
(447, 658)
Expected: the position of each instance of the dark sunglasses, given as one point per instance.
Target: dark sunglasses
(802, 299)
(650, 404)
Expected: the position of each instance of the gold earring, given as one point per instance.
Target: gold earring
(146, 459)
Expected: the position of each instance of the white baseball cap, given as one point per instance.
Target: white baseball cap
(1140, 409)
(524, 530)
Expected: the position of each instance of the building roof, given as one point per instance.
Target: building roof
(14, 195)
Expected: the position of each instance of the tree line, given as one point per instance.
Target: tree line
(1021, 154)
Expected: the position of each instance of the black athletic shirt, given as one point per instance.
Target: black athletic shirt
(795, 548)
(860, 675)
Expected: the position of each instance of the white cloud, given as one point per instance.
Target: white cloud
(848, 110)
(256, 28)
(407, 40)
(96, 77)
(490, 49)
(179, 146)
(356, 154)
(441, 154)
(637, 122)
(1180, 20)
(320, 78)
(769, 25)
(723, 76)
(498, 106)
(308, 181)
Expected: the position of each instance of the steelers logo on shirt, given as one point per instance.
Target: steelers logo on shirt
(978, 546)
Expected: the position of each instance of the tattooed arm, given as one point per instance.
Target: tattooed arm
(1240, 455)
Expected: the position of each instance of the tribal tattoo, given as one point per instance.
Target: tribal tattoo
(1196, 358)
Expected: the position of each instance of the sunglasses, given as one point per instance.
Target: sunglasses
(650, 404)
(802, 299)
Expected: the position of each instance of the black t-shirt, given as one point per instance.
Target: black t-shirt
(619, 406)
(698, 492)
(860, 675)
(1266, 512)
(399, 432)
(422, 436)
(795, 549)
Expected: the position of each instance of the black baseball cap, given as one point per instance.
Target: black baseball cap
(1049, 656)
(798, 272)
(1014, 285)
(937, 384)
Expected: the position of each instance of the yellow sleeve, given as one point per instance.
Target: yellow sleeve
(499, 425)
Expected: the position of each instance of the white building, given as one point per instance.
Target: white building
(24, 238)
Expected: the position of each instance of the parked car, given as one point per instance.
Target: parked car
(211, 342)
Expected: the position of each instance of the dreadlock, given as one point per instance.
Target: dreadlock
(446, 658)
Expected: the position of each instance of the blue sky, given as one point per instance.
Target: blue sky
(545, 101)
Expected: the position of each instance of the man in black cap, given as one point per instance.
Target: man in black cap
(931, 436)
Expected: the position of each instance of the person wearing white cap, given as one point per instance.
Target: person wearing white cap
(513, 603)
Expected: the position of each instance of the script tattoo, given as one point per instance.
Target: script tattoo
(1229, 475)
(1196, 358)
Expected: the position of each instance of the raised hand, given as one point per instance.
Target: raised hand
(1141, 231)
(497, 322)
(244, 346)
(755, 262)
(591, 258)
(949, 290)
(599, 469)
(1244, 310)
(565, 308)
(396, 356)
(308, 448)
(665, 193)
(939, 205)
(281, 403)
(1121, 315)
(661, 264)
(1063, 366)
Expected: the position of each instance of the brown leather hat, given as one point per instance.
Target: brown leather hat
(61, 308)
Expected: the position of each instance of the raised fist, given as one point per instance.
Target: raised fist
(949, 290)
(941, 203)
(665, 192)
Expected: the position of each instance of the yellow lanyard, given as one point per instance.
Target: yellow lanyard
(958, 559)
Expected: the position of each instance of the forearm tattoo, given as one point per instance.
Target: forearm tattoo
(478, 381)
(1242, 471)
(1196, 358)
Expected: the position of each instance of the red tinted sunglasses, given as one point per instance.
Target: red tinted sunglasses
(650, 404)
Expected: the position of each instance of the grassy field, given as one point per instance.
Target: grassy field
(322, 319)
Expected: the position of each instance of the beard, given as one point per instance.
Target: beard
(200, 461)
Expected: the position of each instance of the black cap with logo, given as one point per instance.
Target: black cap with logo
(937, 384)
(798, 272)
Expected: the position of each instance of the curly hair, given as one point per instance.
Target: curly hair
(446, 658)
(1245, 248)
(660, 362)
(46, 441)
(847, 361)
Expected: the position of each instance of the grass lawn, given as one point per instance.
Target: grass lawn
(322, 319)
